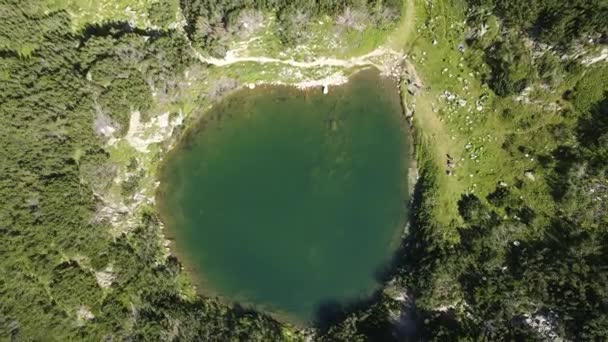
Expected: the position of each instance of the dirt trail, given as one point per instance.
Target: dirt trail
(320, 62)
(394, 46)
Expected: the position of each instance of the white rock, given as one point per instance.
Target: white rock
(530, 175)
(105, 278)
(84, 314)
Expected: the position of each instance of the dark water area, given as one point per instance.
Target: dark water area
(287, 200)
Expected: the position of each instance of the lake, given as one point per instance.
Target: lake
(287, 200)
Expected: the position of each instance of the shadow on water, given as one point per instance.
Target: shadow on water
(331, 313)
(243, 311)
(373, 321)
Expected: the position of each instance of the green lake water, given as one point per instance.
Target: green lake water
(288, 200)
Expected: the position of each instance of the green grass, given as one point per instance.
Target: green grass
(250, 72)
(401, 36)
(474, 137)
(85, 12)
(433, 137)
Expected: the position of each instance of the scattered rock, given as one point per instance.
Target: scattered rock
(158, 129)
(449, 96)
(105, 278)
(546, 324)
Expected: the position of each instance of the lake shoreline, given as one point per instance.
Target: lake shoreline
(201, 286)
